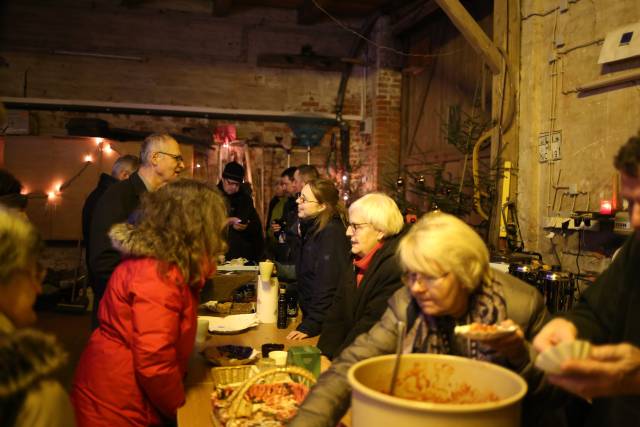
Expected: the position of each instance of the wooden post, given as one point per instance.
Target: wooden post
(504, 142)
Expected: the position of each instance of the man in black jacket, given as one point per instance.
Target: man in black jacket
(245, 230)
(608, 315)
(122, 168)
(161, 163)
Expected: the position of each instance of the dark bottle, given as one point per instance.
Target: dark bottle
(282, 308)
(292, 304)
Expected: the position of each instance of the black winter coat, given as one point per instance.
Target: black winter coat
(89, 207)
(323, 259)
(609, 313)
(356, 309)
(249, 242)
(116, 205)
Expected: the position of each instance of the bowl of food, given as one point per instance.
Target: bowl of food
(435, 390)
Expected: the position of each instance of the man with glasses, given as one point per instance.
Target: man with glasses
(245, 230)
(161, 162)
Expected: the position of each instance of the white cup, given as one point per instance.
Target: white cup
(266, 268)
(279, 356)
(203, 331)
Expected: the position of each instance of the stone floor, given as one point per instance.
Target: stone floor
(72, 331)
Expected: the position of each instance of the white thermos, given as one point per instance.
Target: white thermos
(267, 307)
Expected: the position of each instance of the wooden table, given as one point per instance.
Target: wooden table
(198, 384)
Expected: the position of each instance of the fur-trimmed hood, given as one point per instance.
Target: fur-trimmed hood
(130, 242)
(26, 357)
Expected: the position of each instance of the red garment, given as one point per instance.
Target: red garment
(363, 263)
(130, 373)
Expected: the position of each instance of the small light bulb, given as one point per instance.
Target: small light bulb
(88, 158)
(107, 149)
(51, 195)
(344, 178)
(24, 191)
(98, 141)
(197, 165)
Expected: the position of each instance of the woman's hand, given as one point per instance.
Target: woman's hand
(511, 346)
(297, 335)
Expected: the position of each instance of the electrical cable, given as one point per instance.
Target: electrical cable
(378, 45)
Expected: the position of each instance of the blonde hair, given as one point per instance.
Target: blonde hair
(440, 243)
(20, 244)
(381, 211)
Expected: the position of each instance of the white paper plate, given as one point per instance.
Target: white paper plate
(231, 324)
(550, 360)
(500, 331)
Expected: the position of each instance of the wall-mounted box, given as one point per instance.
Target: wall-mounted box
(621, 43)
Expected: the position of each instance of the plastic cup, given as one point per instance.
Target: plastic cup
(280, 357)
(266, 268)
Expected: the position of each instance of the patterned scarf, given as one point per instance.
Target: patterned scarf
(430, 334)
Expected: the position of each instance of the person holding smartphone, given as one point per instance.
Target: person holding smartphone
(245, 237)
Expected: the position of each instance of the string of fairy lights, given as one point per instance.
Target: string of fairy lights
(54, 193)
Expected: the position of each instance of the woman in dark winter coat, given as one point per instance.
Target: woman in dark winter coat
(28, 395)
(132, 369)
(375, 228)
(324, 254)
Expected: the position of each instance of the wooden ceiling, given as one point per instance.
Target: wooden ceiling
(309, 11)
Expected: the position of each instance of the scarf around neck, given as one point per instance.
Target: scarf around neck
(430, 334)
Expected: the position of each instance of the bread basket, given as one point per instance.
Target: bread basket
(237, 406)
(233, 374)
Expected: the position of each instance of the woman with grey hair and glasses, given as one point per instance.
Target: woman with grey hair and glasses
(375, 227)
(448, 282)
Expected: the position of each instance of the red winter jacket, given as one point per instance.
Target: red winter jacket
(130, 373)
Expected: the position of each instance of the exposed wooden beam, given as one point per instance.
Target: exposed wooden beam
(314, 62)
(473, 33)
(222, 7)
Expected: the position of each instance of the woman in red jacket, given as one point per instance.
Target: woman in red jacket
(130, 373)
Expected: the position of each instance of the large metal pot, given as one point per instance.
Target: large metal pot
(371, 407)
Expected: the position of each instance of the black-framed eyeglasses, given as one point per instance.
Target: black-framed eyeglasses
(305, 200)
(409, 278)
(177, 157)
(356, 225)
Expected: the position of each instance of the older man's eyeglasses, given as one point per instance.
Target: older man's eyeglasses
(409, 278)
(177, 157)
(356, 225)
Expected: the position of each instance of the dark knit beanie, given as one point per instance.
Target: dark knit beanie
(233, 171)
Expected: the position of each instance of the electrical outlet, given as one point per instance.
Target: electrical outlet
(549, 147)
(543, 147)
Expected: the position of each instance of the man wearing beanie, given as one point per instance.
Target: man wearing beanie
(245, 230)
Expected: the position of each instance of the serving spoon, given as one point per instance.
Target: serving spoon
(400, 326)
